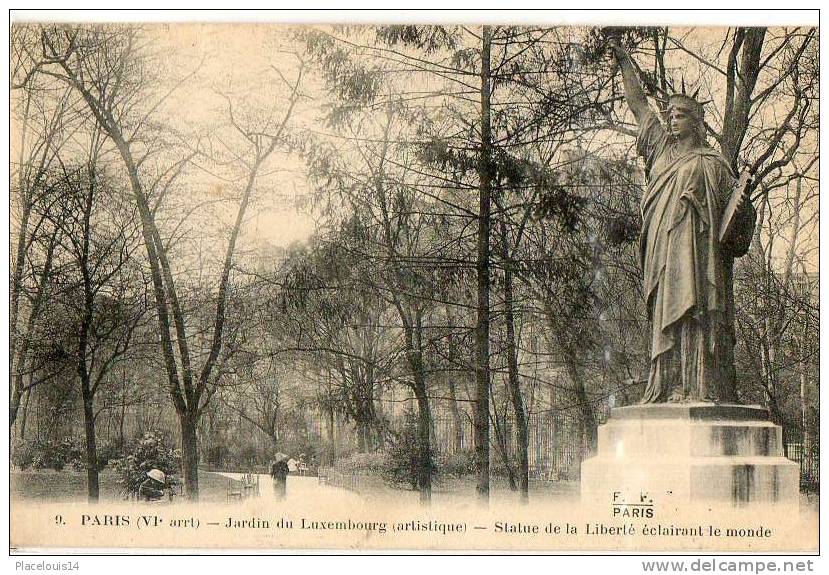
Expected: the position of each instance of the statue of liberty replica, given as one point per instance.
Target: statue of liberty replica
(686, 251)
(688, 440)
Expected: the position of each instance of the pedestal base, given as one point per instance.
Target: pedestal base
(679, 453)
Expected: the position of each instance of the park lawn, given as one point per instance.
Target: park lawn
(69, 485)
(458, 490)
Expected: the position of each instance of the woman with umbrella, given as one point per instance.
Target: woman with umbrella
(154, 486)
(279, 474)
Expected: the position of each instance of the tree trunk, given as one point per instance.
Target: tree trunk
(457, 422)
(498, 426)
(414, 353)
(770, 391)
(788, 267)
(424, 425)
(481, 419)
(16, 285)
(122, 414)
(368, 437)
(804, 391)
(14, 400)
(17, 381)
(742, 71)
(92, 486)
(804, 410)
(521, 432)
(87, 393)
(332, 445)
(589, 428)
(378, 430)
(24, 416)
(361, 440)
(19, 262)
(189, 455)
(590, 434)
(20, 362)
(88, 396)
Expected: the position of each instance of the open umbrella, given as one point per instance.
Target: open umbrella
(156, 474)
(280, 457)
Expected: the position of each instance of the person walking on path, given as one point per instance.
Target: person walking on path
(279, 474)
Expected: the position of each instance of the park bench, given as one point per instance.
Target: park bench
(234, 490)
(172, 491)
(250, 485)
(175, 490)
(322, 475)
(541, 473)
(244, 488)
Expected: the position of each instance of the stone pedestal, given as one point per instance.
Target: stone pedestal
(680, 453)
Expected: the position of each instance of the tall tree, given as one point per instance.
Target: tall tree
(44, 121)
(109, 68)
(106, 300)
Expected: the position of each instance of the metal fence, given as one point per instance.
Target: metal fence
(556, 448)
(352, 481)
(556, 445)
(809, 465)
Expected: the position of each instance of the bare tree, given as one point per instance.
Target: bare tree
(44, 121)
(107, 300)
(107, 66)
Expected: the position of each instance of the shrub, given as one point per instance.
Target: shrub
(22, 454)
(306, 446)
(250, 454)
(149, 452)
(404, 455)
(217, 455)
(458, 464)
(49, 454)
(109, 451)
(398, 463)
(375, 463)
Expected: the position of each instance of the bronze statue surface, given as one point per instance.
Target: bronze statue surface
(687, 266)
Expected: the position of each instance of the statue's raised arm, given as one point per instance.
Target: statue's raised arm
(634, 95)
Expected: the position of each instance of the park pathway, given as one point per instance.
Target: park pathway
(301, 489)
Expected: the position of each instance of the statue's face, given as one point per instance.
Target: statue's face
(680, 123)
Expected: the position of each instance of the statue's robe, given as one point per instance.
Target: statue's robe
(687, 272)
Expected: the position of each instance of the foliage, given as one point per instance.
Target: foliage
(557, 204)
(49, 454)
(109, 451)
(374, 463)
(217, 455)
(427, 38)
(595, 43)
(458, 464)
(149, 452)
(397, 464)
(404, 454)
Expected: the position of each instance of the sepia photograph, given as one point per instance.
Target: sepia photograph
(528, 285)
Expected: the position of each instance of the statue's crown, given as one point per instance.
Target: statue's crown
(687, 102)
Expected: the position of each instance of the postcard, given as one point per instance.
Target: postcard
(414, 286)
